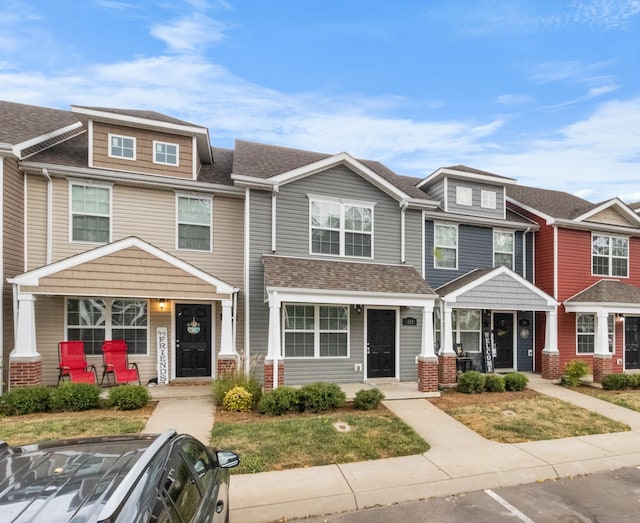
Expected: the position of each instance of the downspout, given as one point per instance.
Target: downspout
(45, 173)
(2, 271)
(273, 217)
(403, 212)
(524, 252)
(234, 313)
(247, 295)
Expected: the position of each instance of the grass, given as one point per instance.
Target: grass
(629, 399)
(269, 443)
(531, 417)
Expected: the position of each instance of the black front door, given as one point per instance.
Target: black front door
(632, 342)
(381, 343)
(503, 339)
(193, 340)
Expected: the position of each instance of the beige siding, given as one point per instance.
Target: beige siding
(144, 151)
(611, 217)
(36, 221)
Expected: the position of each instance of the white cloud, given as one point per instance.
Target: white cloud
(191, 33)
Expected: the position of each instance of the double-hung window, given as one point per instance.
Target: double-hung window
(610, 255)
(467, 325)
(165, 153)
(122, 147)
(445, 246)
(316, 331)
(90, 213)
(341, 228)
(585, 333)
(94, 320)
(194, 223)
(503, 249)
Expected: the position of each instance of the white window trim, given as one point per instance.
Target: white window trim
(178, 222)
(488, 199)
(435, 246)
(316, 331)
(513, 244)
(109, 187)
(464, 196)
(610, 256)
(343, 203)
(457, 331)
(135, 147)
(593, 334)
(612, 350)
(177, 146)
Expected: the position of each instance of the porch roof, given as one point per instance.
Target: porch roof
(605, 293)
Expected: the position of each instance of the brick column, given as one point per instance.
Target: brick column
(268, 374)
(602, 366)
(226, 366)
(25, 371)
(427, 374)
(447, 372)
(551, 365)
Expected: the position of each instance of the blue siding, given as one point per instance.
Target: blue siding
(524, 361)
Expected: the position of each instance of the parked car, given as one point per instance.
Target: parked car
(117, 479)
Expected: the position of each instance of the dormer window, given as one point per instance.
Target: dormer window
(464, 195)
(122, 147)
(488, 199)
(165, 153)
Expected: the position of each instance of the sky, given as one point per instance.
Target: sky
(546, 92)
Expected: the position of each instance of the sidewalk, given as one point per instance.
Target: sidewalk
(459, 461)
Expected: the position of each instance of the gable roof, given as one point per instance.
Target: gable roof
(463, 171)
(610, 292)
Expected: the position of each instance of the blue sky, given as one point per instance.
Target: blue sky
(546, 92)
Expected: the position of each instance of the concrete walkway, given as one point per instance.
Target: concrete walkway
(459, 460)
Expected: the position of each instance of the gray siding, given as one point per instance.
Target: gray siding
(410, 343)
(501, 293)
(436, 192)
(413, 245)
(475, 209)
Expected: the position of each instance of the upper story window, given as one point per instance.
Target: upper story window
(341, 228)
(445, 255)
(90, 213)
(610, 255)
(488, 199)
(122, 147)
(503, 249)
(194, 223)
(165, 153)
(464, 195)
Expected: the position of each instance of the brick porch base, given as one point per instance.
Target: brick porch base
(602, 366)
(447, 371)
(268, 375)
(428, 374)
(551, 365)
(25, 371)
(226, 366)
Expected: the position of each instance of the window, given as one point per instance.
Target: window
(446, 246)
(122, 147)
(437, 329)
(611, 332)
(194, 223)
(467, 325)
(610, 255)
(341, 229)
(94, 320)
(90, 213)
(464, 196)
(586, 333)
(503, 249)
(165, 153)
(316, 331)
(488, 199)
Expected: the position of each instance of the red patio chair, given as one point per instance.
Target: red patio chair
(116, 363)
(73, 363)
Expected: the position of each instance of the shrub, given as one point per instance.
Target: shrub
(618, 381)
(226, 382)
(573, 371)
(368, 399)
(279, 401)
(26, 400)
(634, 380)
(129, 397)
(321, 397)
(73, 397)
(471, 382)
(238, 399)
(494, 383)
(515, 381)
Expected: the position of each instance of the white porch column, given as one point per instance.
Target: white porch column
(602, 333)
(447, 330)
(226, 336)
(427, 332)
(551, 332)
(273, 347)
(25, 342)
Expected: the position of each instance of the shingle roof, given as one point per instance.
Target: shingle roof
(220, 170)
(72, 153)
(557, 204)
(21, 122)
(463, 280)
(138, 113)
(306, 273)
(608, 291)
(471, 170)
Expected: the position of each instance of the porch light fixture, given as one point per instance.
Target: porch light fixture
(619, 316)
(162, 303)
(358, 308)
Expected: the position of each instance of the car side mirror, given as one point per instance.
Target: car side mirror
(227, 459)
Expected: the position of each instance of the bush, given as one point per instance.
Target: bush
(573, 371)
(238, 399)
(74, 397)
(494, 383)
(618, 381)
(321, 397)
(27, 400)
(129, 397)
(368, 399)
(515, 381)
(471, 382)
(226, 382)
(279, 401)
